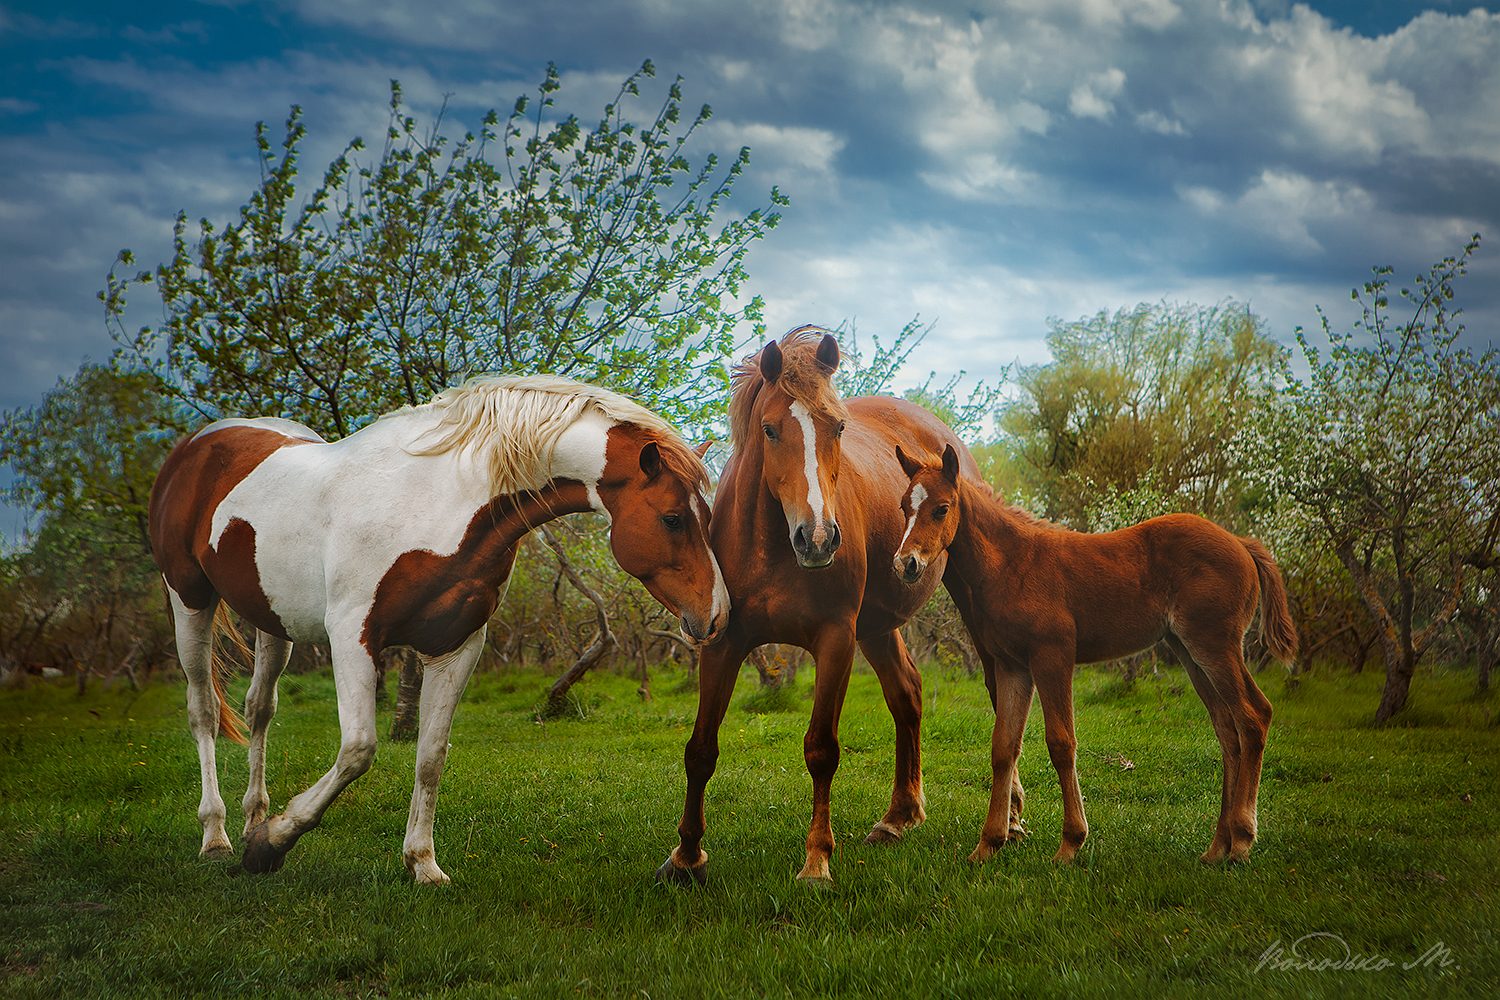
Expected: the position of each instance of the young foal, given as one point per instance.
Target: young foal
(1039, 599)
(400, 534)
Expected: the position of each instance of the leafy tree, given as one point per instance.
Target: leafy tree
(535, 245)
(1134, 412)
(1391, 447)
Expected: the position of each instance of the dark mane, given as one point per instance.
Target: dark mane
(802, 377)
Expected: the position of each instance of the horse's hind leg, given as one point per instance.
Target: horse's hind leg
(1012, 698)
(1223, 662)
(271, 655)
(1229, 746)
(354, 679)
(443, 682)
(902, 685)
(195, 637)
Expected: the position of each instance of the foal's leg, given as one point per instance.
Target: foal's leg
(271, 654)
(443, 682)
(1017, 793)
(1223, 661)
(1053, 672)
(902, 685)
(718, 669)
(1012, 697)
(834, 654)
(1229, 745)
(195, 636)
(354, 680)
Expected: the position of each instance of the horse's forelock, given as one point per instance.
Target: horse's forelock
(803, 377)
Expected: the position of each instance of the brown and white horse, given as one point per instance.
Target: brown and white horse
(1040, 599)
(403, 534)
(806, 524)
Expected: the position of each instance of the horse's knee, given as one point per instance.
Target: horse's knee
(699, 760)
(821, 755)
(1062, 749)
(356, 754)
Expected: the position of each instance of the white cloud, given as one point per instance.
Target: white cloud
(1095, 97)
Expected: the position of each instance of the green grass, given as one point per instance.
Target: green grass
(1384, 837)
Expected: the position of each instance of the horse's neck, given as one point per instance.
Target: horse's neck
(989, 533)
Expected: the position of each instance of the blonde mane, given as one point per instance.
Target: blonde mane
(803, 378)
(514, 422)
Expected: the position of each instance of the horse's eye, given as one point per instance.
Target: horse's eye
(840, 431)
(672, 521)
(940, 512)
(770, 431)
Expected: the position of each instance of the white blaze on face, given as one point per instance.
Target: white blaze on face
(721, 592)
(918, 494)
(810, 468)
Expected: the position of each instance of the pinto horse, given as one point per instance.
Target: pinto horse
(1039, 599)
(403, 534)
(805, 525)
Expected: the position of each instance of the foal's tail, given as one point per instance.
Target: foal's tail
(231, 722)
(1276, 627)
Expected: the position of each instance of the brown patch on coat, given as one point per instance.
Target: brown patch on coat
(196, 477)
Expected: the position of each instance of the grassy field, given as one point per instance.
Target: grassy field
(1385, 838)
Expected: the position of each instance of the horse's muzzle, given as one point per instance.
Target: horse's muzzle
(704, 632)
(910, 568)
(810, 556)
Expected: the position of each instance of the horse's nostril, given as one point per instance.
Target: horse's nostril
(834, 536)
(799, 540)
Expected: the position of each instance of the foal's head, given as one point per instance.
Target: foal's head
(653, 487)
(931, 508)
(796, 421)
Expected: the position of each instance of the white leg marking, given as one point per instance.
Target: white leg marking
(271, 655)
(810, 468)
(195, 636)
(443, 682)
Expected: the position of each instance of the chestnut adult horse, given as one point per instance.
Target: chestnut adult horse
(805, 525)
(403, 534)
(1040, 599)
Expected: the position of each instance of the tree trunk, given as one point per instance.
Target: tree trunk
(1398, 674)
(604, 642)
(408, 694)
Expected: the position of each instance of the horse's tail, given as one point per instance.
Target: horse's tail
(231, 722)
(1276, 628)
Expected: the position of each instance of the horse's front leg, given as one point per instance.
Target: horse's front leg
(718, 669)
(834, 653)
(354, 680)
(443, 681)
(901, 683)
(1011, 693)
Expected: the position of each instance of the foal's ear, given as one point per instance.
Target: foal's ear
(702, 449)
(651, 460)
(828, 352)
(908, 465)
(950, 464)
(770, 362)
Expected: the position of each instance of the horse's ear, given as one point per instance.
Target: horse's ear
(770, 362)
(950, 464)
(828, 352)
(702, 449)
(651, 460)
(908, 465)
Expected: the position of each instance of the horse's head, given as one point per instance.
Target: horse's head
(798, 419)
(931, 508)
(653, 488)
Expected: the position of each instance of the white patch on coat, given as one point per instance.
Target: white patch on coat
(721, 592)
(810, 468)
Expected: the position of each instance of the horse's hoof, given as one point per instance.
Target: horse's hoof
(884, 833)
(261, 857)
(815, 872)
(671, 873)
(218, 851)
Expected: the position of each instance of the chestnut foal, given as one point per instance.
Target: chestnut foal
(1040, 599)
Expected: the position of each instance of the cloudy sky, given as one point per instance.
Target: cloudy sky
(984, 165)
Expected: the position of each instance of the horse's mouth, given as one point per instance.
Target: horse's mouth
(815, 562)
